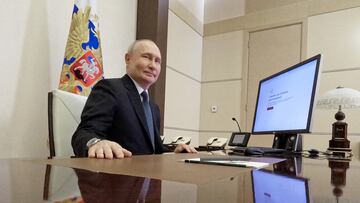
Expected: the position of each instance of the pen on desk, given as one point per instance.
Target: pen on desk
(215, 163)
(227, 164)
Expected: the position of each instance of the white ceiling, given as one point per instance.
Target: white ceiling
(196, 7)
(207, 11)
(216, 10)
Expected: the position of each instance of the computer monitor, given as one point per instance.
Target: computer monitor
(285, 101)
(272, 187)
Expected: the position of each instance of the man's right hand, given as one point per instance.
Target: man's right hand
(108, 150)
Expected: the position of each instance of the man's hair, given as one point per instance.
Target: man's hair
(133, 45)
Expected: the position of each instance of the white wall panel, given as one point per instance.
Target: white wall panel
(182, 101)
(337, 36)
(118, 31)
(222, 56)
(222, 62)
(33, 38)
(224, 95)
(183, 76)
(184, 50)
(25, 78)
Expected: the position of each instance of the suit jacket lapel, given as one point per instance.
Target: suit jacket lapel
(136, 103)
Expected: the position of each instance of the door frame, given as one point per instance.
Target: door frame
(245, 65)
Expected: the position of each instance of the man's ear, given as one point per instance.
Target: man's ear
(127, 58)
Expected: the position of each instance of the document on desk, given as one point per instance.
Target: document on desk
(228, 162)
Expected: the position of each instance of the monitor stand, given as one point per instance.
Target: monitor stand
(287, 141)
(290, 166)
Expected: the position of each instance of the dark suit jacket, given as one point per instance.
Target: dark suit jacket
(114, 111)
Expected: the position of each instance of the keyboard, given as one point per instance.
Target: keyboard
(265, 150)
(269, 150)
(208, 148)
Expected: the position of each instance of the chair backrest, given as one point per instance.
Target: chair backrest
(64, 113)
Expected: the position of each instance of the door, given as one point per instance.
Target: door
(269, 52)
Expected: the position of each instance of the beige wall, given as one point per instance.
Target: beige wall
(33, 38)
(336, 35)
(216, 10)
(183, 75)
(221, 84)
(259, 5)
(196, 8)
(331, 28)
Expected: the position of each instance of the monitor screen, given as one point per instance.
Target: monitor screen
(285, 100)
(272, 187)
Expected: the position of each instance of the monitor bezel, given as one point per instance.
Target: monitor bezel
(315, 84)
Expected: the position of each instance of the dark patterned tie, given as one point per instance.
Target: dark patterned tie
(149, 119)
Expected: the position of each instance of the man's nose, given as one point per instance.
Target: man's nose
(152, 64)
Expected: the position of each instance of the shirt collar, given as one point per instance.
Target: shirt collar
(138, 87)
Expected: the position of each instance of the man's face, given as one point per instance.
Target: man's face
(143, 64)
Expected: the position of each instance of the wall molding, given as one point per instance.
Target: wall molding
(222, 80)
(197, 131)
(215, 131)
(181, 129)
(183, 74)
(204, 82)
(329, 133)
(341, 70)
(321, 133)
(185, 15)
(291, 12)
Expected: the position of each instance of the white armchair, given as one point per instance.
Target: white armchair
(64, 112)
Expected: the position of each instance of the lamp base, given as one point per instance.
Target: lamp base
(339, 144)
(339, 141)
(333, 149)
(343, 152)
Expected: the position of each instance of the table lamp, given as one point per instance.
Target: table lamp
(339, 98)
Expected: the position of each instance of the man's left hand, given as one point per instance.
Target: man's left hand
(181, 148)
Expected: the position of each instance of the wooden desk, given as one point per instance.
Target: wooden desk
(171, 179)
(163, 167)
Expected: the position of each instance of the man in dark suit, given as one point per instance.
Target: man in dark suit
(118, 120)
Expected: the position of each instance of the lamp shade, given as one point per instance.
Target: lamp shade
(347, 98)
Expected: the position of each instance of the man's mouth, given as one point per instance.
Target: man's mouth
(149, 74)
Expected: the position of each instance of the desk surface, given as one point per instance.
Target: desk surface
(164, 178)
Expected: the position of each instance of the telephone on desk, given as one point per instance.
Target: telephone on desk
(214, 143)
(181, 140)
(176, 141)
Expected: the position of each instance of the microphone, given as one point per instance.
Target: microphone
(234, 119)
(239, 139)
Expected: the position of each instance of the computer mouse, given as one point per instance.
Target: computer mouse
(253, 151)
